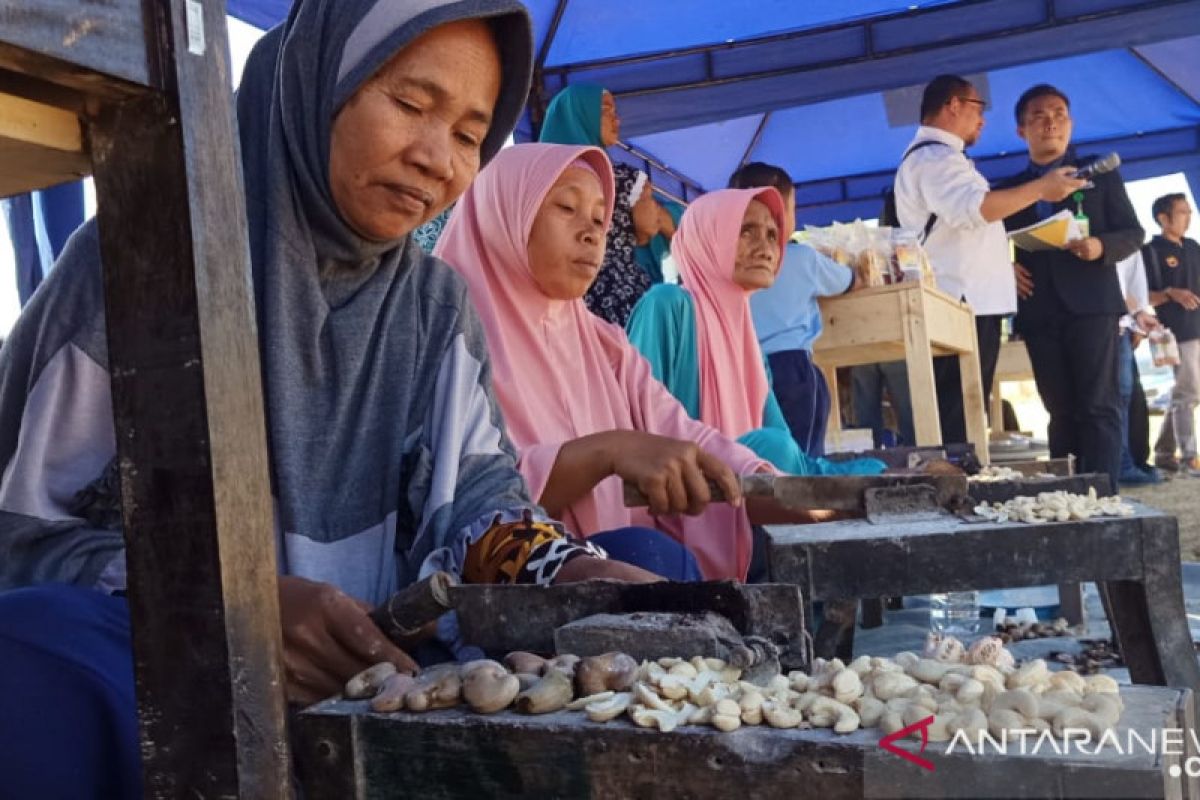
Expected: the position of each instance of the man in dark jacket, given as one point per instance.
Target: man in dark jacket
(1070, 299)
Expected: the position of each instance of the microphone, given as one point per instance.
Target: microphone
(1101, 165)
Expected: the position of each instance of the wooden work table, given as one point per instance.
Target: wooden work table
(1133, 560)
(913, 323)
(345, 751)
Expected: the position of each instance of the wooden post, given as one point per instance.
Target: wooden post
(187, 404)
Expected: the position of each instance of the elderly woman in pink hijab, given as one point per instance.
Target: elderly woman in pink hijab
(579, 402)
(699, 337)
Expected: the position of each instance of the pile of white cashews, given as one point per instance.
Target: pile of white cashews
(1055, 507)
(973, 690)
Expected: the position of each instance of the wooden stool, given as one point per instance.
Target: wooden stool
(913, 323)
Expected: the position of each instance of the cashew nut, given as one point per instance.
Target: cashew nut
(893, 684)
(779, 715)
(970, 721)
(1101, 684)
(869, 710)
(826, 711)
(520, 661)
(436, 687)
(584, 702)
(1000, 722)
(391, 696)
(665, 721)
(610, 671)
(1023, 701)
(488, 687)
(550, 693)
(368, 682)
(609, 709)
(847, 686)
(1029, 675)
(928, 671)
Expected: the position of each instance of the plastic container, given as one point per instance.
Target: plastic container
(1164, 350)
(954, 613)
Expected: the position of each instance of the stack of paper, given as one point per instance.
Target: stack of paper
(1052, 233)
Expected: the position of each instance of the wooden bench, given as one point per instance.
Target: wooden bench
(344, 751)
(1134, 561)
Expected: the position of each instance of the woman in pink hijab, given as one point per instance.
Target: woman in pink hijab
(699, 337)
(579, 402)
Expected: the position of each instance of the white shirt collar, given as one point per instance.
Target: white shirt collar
(941, 135)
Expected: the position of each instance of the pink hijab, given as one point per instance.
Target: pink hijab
(733, 383)
(551, 378)
(559, 371)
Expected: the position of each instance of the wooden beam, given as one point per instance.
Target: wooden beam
(191, 437)
(39, 146)
(91, 41)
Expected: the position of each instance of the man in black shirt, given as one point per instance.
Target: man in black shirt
(1069, 301)
(1173, 275)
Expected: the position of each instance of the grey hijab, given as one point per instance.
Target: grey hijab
(334, 310)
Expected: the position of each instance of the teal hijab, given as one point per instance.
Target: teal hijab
(573, 116)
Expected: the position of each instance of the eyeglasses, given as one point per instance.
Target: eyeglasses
(982, 105)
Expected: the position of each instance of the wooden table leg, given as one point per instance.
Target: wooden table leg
(921, 389)
(1070, 602)
(973, 404)
(1147, 616)
(833, 428)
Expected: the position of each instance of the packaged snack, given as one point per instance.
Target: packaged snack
(1164, 350)
(908, 254)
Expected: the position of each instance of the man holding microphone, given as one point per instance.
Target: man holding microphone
(1071, 299)
(939, 192)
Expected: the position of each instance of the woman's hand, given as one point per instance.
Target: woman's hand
(646, 219)
(673, 474)
(327, 639)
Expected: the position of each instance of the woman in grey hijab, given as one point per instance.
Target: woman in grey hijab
(359, 121)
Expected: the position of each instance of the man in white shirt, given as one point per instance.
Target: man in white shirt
(939, 192)
(1131, 272)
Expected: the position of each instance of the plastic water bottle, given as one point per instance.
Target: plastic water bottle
(954, 613)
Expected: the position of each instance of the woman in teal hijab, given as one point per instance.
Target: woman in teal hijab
(585, 114)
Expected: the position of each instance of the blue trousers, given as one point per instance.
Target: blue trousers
(803, 397)
(869, 381)
(651, 550)
(68, 718)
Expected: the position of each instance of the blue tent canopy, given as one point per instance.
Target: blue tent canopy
(828, 89)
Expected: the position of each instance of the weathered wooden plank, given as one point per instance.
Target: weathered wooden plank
(79, 43)
(40, 146)
(453, 753)
(191, 441)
